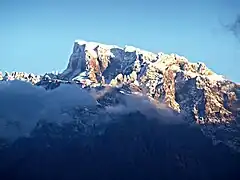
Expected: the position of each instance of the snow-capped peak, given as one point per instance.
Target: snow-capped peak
(93, 45)
(130, 48)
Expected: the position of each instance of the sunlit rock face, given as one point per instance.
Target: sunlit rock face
(186, 87)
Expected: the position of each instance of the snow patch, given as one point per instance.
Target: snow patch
(130, 49)
(216, 77)
(93, 45)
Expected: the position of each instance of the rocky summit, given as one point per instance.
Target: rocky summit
(190, 89)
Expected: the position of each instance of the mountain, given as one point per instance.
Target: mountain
(186, 87)
(191, 89)
(193, 113)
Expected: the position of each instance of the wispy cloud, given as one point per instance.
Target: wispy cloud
(234, 27)
(23, 105)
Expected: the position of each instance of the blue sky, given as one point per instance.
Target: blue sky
(37, 36)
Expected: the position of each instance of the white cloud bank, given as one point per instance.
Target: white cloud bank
(22, 105)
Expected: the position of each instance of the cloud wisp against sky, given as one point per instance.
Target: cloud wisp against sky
(234, 27)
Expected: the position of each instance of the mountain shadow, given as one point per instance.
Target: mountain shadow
(133, 147)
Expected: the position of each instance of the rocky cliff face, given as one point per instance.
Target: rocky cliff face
(189, 88)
